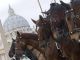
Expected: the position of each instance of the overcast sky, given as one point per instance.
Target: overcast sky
(26, 8)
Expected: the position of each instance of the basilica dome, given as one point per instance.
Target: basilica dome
(14, 21)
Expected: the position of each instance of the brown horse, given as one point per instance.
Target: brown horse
(72, 18)
(46, 38)
(25, 40)
(73, 32)
(60, 29)
(58, 22)
(44, 31)
(13, 55)
(68, 17)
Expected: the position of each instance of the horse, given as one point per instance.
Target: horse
(68, 16)
(14, 53)
(43, 34)
(75, 4)
(46, 39)
(58, 22)
(25, 40)
(72, 18)
(61, 33)
(69, 19)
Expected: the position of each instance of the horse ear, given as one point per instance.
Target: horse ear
(40, 17)
(18, 34)
(62, 2)
(65, 5)
(33, 21)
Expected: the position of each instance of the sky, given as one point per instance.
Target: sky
(25, 8)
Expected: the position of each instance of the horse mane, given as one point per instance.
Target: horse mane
(67, 6)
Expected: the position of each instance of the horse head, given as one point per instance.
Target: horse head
(22, 42)
(44, 30)
(12, 49)
(58, 20)
(39, 22)
(67, 6)
(19, 44)
(51, 8)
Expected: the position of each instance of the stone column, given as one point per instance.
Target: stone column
(4, 41)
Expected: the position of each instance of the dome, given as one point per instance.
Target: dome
(14, 21)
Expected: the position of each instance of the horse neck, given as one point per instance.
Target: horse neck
(45, 32)
(34, 44)
(67, 44)
(30, 36)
